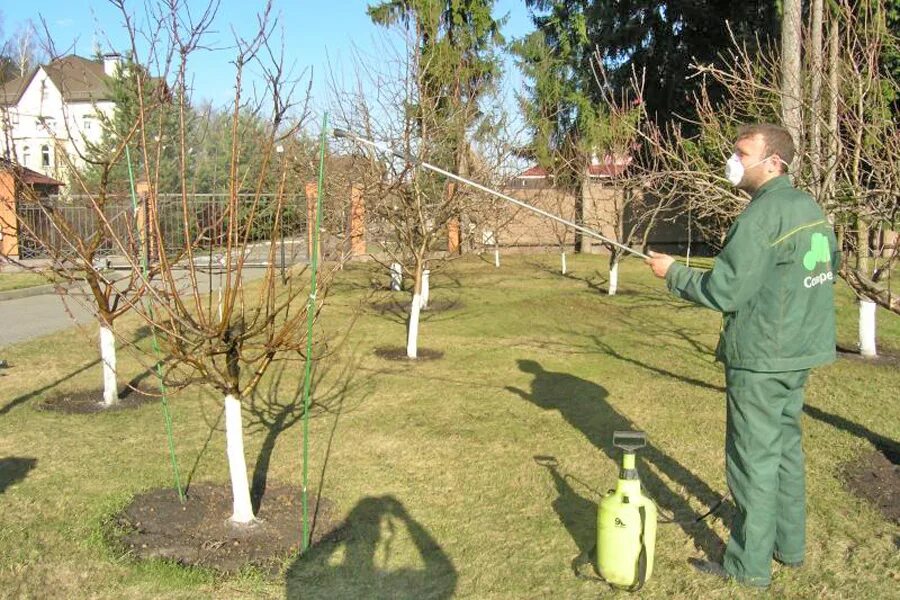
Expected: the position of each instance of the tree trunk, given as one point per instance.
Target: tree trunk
(496, 253)
(833, 101)
(562, 258)
(815, 100)
(613, 273)
(791, 81)
(108, 358)
(412, 334)
(426, 287)
(867, 328)
(237, 466)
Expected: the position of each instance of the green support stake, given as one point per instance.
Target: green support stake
(310, 317)
(162, 386)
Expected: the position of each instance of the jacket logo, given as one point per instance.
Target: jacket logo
(819, 252)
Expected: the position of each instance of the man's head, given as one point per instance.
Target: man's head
(764, 152)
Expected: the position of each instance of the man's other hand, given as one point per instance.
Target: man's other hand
(659, 263)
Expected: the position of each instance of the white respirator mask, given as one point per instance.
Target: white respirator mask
(734, 168)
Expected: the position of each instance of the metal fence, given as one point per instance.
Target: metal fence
(52, 226)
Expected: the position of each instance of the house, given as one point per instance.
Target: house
(55, 109)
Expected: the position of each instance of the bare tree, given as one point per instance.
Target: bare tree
(852, 167)
(411, 206)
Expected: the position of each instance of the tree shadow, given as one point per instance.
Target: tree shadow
(14, 469)
(890, 448)
(356, 560)
(585, 406)
(276, 410)
(140, 334)
(26, 397)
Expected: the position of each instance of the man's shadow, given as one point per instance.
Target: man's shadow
(584, 405)
(355, 560)
(14, 469)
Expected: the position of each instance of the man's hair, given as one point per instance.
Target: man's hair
(778, 140)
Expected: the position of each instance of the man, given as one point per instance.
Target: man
(773, 283)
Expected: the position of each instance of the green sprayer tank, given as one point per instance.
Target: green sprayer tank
(626, 522)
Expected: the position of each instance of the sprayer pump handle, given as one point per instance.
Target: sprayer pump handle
(629, 441)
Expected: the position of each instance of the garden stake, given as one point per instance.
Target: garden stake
(162, 385)
(310, 316)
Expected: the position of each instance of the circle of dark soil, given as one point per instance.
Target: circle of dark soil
(876, 478)
(399, 353)
(884, 358)
(434, 306)
(197, 533)
(91, 401)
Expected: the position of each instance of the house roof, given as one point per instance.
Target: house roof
(78, 79)
(28, 176)
(608, 168)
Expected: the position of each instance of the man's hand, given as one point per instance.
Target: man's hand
(659, 263)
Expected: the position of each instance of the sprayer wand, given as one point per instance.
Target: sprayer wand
(340, 133)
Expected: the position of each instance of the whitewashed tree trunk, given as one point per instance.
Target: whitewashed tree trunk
(425, 288)
(396, 277)
(496, 254)
(412, 334)
(562, 258)
(108, 358)
(867, 328)
(237, 466)
(613, 276)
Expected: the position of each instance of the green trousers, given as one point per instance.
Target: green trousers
(764, 466)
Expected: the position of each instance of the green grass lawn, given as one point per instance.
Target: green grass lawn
(14, 281)
(433, 463)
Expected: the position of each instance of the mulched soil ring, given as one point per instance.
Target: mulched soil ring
(398, 353)
(874, 477)
(197, 533)
(394, 307)
(884, 358)
(91, 401)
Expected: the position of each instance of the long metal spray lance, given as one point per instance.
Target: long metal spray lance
(341, 133)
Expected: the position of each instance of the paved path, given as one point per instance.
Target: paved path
(23, 319)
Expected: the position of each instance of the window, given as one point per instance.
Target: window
(26, 155)
(87, 124)
(45, 156)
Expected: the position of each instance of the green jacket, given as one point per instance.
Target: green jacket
(773, 281)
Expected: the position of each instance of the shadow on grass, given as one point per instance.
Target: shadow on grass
(26, 397)
(140, 334)
(281, 407)
(890, 448)
(14, 469)
(357, 560)
(585, 406)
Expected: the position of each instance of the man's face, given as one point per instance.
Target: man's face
(758, 167)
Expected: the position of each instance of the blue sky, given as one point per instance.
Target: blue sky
(316, 33)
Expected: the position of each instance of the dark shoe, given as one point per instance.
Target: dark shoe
(708, 567)
(789, 565)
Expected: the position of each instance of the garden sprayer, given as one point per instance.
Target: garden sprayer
(626, 522)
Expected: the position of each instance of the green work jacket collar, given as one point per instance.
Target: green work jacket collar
(777, 183)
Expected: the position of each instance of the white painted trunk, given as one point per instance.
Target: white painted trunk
(396, 277)
(412, 335)
(108, 358)
(425, 276)
(497, 256)
(237, 466)
(613, 278)
(867, 328)
(562, 257)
